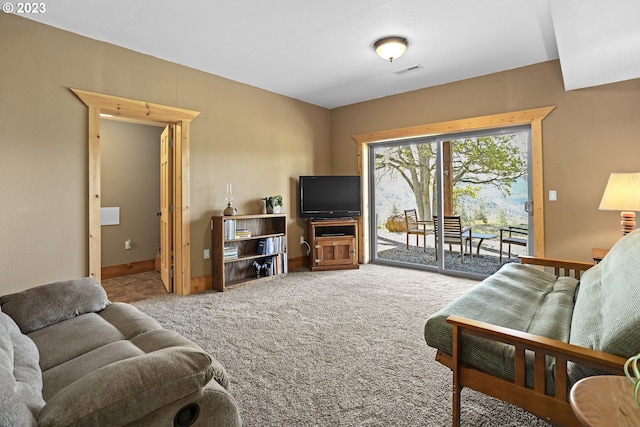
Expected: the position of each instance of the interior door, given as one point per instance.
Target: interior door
(166, 196)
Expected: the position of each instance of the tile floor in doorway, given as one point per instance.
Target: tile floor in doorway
(134, 287)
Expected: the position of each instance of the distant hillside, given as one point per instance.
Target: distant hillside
(490, 206)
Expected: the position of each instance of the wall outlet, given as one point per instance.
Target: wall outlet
(553, 195)
(127, 244)
(301, 240)
(206, 254)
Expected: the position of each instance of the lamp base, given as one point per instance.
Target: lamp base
(230, 210)
(628, 222)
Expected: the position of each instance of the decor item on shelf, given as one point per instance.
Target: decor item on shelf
(632, 371)
(263, 206)
(391, 48)
(261, 269)
(229, 210)
(622, 193)
(274, 204)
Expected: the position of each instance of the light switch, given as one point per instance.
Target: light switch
(553, 195)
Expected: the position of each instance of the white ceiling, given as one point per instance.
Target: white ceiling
(321, 51)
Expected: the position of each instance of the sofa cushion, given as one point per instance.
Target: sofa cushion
(154, 340)
(128, 319)
(45, 305)
(74, 337)
(132, 323)
(79, 335)
(20, 376)
(64, 374)
(607, 312)
(519, 297)
(123, 391)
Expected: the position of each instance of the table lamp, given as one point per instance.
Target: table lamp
(622, 193)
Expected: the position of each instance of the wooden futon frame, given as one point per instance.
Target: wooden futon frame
(553, 409)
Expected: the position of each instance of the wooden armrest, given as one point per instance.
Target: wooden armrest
(584, 356)
(519, 229)
(523, 231)
(553, 407)
(559, 265)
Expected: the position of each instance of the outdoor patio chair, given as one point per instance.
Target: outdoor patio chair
(453, 234)
(513, 235)
(414, 226)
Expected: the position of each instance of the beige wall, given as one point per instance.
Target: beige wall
(130, 180)
(260, 142)
(591, 133)
(256, 140)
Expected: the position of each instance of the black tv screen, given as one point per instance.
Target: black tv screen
(329, 196)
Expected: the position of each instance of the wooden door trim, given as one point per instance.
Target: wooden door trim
(532, 117)
(99, 103)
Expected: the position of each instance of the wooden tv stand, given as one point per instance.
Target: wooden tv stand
(334, 244)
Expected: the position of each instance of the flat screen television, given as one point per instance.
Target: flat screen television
(329, 196)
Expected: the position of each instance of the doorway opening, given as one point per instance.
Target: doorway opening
(180, 119)
(130, 191)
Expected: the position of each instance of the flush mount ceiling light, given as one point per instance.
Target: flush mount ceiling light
(391, 48)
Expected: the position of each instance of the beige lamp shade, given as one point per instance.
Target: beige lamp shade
(622, 193)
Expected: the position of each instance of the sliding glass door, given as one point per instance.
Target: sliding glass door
(403, 179)
(476, 183)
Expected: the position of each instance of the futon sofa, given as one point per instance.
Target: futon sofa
(526, 335)
(69, 357)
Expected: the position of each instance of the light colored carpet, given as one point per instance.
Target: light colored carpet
(337, 348)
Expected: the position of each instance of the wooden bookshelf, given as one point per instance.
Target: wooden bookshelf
(240, 242)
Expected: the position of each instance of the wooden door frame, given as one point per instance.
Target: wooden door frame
(99, 103)
(531, 117)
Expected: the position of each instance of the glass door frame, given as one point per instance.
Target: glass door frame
(531, 117)
(439, 159)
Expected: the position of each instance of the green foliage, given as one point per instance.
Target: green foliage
(460, 192)
(632, 373)
(503, 217)
(480, 213)
(490, 160)
(274, 201)
(493, 160)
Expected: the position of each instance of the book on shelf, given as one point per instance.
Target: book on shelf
(285, 268)
(229, 229)
(230, 252)
(242, 233)
(271, 245)
(269, 265)
(261, 247)
(277, 264)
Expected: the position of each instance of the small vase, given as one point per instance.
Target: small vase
(276, 209)
(264, 206)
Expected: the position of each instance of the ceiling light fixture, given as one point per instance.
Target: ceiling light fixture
(391, 48)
